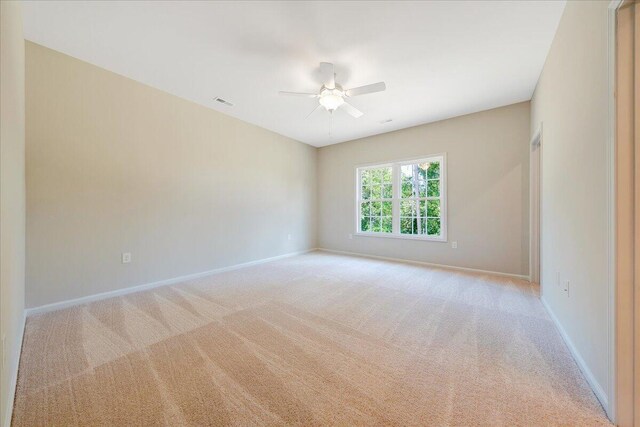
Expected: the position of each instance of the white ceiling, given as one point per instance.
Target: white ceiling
(439, 59)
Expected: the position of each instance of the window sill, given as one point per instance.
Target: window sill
(403, 236)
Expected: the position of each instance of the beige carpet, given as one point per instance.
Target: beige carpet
(317, 339)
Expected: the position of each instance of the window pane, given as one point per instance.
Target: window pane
(433, 226)
(364, 223)
(406, 225)
(422, 171)
(433, 170)
(433, 208)
(364, 209)
(386, 225)
(413, 180)
(407, 208)
(387, 175)
(423, 226)
(387, 191)
(406, 171)
(376, 176)
(407, 187)
(365, 178)
(375, 224)
(366, 193)
(422, 188)
(433, 188)
(375, 192)
(387, 208)
(375, 209)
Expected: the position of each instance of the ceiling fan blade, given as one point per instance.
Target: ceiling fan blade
(328, 75)
(307, 95)
(362, 90)
(351, 110)
(314, 110)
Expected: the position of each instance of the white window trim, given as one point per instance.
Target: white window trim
(396, 165)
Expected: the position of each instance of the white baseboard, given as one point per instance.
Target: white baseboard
(124, 291)
(591, 379)
(14, 376)
(428, 264)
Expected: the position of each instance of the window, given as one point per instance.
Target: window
(376, 205)
(403, 199)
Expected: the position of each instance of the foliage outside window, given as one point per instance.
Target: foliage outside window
(376, 206)
(403, 199)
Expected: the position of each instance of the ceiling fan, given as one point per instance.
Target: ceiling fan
(332, 96)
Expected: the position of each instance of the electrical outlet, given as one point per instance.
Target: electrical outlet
(454, 245)
(126, 257)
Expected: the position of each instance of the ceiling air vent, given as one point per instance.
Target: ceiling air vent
(223, 101)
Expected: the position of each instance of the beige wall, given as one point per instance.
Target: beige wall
(12, 199)
(116, 166)
(571, 102)
(488, 190)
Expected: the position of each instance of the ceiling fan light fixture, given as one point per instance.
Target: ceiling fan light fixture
(332, 95)
(331, 99)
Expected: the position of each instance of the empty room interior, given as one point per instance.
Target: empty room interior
(248, 213)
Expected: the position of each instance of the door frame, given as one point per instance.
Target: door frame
(535, 207)
(613, 410)
(624, 222)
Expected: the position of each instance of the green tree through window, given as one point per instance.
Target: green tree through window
(420, 204)
(376, 206)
